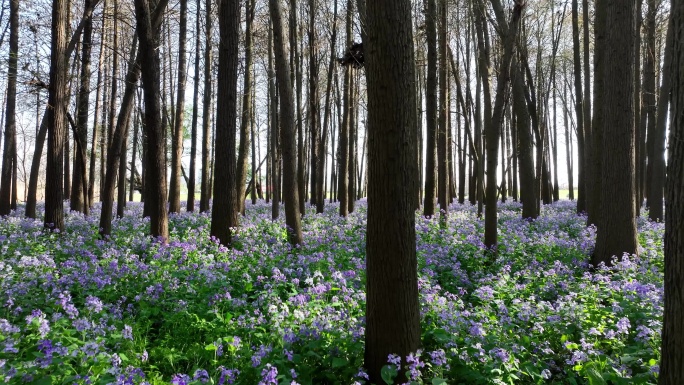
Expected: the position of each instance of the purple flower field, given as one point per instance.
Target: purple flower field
(76, 309)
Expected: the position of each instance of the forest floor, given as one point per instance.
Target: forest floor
(76, 309)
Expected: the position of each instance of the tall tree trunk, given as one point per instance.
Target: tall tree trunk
(648, 111)
(115, 152)
(93, 145)
(352, 133)
(56, 121)
(195, 112)
(243, 150)
(287, 129)
(134, 171)
(584, 187)
(657, 185)
(343, 173)
(320, 200)
(205, 193)
(121, 185)
(493, 128)
(149, 38)
(79, 197)
(177, 140)
(114, 86)
(616, 228)
(314, 124)
(672, 361)
(31, 199)
(594, 180)
(275, 129)
(392, 309)
(586, 153)
(10, 112)
(431, 108)
(225, 211)
(524, 147)
(443, 123)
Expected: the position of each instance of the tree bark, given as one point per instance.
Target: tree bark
(79, 197)
(10, 110)
(287, 129)
(392, 309)
(56, 121)
(177, 140)
(443, 124)
(672, 356)
(320, 200)
(205, 193)
(243, 150)
(493, 129)
(225, 211)
(149, 38)
(657, 185)
(195, 112)
(616, 228)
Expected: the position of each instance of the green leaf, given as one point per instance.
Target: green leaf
(438, 381)
(595, 377)
(388, 373)
(339, 362)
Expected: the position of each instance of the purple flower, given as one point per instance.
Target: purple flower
(127, 332)
(394, 360)
(201, 375)
(438, 357)
(623, 325)
(180, 379)
(269, 375)
(94, 304)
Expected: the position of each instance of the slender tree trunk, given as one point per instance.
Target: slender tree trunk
(121, 185)
(658, 160)
(443, 110)
(10, 110)
(320, 200)
(79, 198)
(584, 187)
(177, 140)
(243, 150)
(351, 137)
(205, 188)
(275, 129)
(149, 37)
(524, 147)
(431, 108)
(314, 124)
(648, 109)
(195, 112)
(136, 128)
(493, 128)
(287, 130)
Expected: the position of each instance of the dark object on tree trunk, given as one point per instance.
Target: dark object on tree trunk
(353, 56)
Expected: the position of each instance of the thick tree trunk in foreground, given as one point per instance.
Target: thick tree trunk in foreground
(672, 361)
(56, 121)
(155, 199)
(616, 228)
(392, 309)
(224, 215)
(287, 128)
